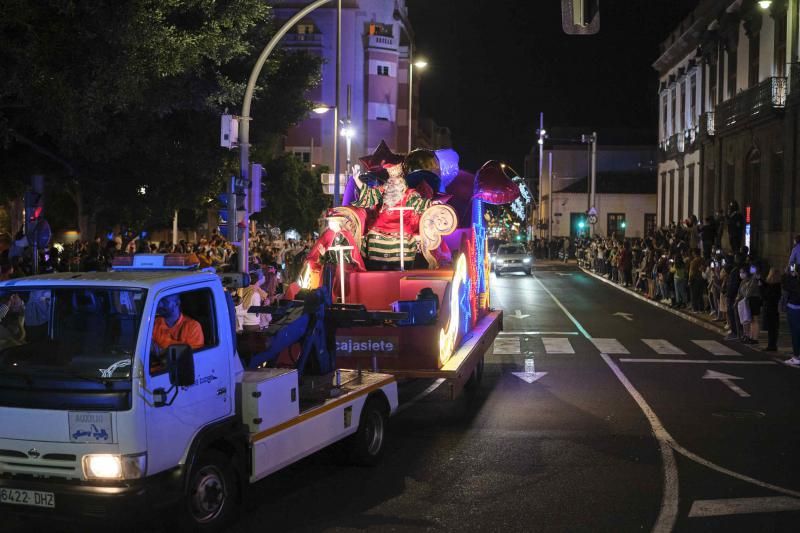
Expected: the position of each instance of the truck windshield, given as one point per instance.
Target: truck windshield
(71, 332)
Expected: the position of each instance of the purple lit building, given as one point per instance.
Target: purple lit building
(377, 43)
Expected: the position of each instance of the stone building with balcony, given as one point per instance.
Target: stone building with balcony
(377, 43)
(727, 130)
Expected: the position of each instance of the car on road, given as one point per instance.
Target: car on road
(513, 258)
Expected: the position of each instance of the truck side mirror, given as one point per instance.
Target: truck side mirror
(180, 364)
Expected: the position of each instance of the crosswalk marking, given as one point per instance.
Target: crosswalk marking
(506, 346)
(557, 345)
(663, 347)
(716, 348)
(612, 346)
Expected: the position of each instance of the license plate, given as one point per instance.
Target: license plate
(33, 498)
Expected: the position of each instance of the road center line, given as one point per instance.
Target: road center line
(668, 513)
(669, 501)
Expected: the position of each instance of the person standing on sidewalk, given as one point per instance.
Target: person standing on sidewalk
(696, 282)
(791, 299)
(771, 295)
(794, 257)
(734, 280)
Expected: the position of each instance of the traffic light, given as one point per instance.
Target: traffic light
(581, 224)
(34, 207)
(622, 224)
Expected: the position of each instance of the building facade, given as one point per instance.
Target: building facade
(625, 184)
(728, 118)
(377, 44)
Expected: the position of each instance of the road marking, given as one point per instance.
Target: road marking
(506, 346)
(610, 346)
(699, 361)
(530, 377)
(731, 506)
(727, 379)
(518, 314)
(626, 316)
(508, 333)
(421, 395)
(716, 348)
(668, 513)
(557, 345)
(663, 347)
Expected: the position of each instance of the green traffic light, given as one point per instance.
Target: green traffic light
(580, 225)
(623, 224)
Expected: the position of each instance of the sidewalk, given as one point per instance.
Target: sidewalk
(704, 320)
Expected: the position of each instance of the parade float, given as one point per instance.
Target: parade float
(407, 264)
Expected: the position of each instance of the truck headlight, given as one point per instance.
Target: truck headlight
(109, 466)
(526, 260)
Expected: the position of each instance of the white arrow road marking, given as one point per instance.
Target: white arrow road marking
(518, 314)
(716, 348)
(609, 346)
(557, 345)
(562, 274)
(506, 346)
(663, 347)
(772, 504)
(530, 377)
(727, 379)
(626, 316)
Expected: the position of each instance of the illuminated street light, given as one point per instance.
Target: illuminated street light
(420, 63)
(321, 109)
(764, 4)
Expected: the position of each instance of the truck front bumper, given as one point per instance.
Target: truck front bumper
(129, 502)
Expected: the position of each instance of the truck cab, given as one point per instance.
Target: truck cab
(101, 417)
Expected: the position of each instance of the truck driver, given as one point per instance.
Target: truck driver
(173, 327)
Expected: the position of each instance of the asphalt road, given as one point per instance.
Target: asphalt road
(638, 423)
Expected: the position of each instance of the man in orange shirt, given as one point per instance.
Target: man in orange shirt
(173, 327)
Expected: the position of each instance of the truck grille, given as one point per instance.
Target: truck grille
(48, 464)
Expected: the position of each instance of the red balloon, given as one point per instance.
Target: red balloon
(493, 186)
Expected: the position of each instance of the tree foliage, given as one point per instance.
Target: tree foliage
(293, 195)
(110, 98)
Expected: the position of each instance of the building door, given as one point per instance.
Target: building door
(752, 198)
(649, 224)
(578, 225)
(616, 225)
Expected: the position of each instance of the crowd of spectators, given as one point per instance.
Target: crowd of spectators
(690, 266)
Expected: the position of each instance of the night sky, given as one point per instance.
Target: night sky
(495, 64)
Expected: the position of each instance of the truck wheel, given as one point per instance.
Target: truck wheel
(212, 495)
(367, 444)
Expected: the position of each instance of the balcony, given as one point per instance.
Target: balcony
(671, 146)
(707, 125)
(754, 103)
(690, 139)
(382, 42)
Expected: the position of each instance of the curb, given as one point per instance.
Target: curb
(699, 322)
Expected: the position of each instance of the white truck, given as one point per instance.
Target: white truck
(97, 420)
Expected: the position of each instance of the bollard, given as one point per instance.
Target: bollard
(529, 368)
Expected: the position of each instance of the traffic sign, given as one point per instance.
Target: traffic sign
(592, 219)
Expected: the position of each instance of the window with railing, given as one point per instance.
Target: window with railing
(381, 30)
(692, 99)
(712, 85)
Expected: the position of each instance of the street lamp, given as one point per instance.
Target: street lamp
(764, 4)
(418, 64)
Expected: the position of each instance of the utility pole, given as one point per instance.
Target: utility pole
(541, 133)
(594, 168)
(337, 198)
(550, 216)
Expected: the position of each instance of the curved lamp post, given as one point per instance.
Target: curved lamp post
(244, 123)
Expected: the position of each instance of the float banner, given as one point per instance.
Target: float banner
(367, 346)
